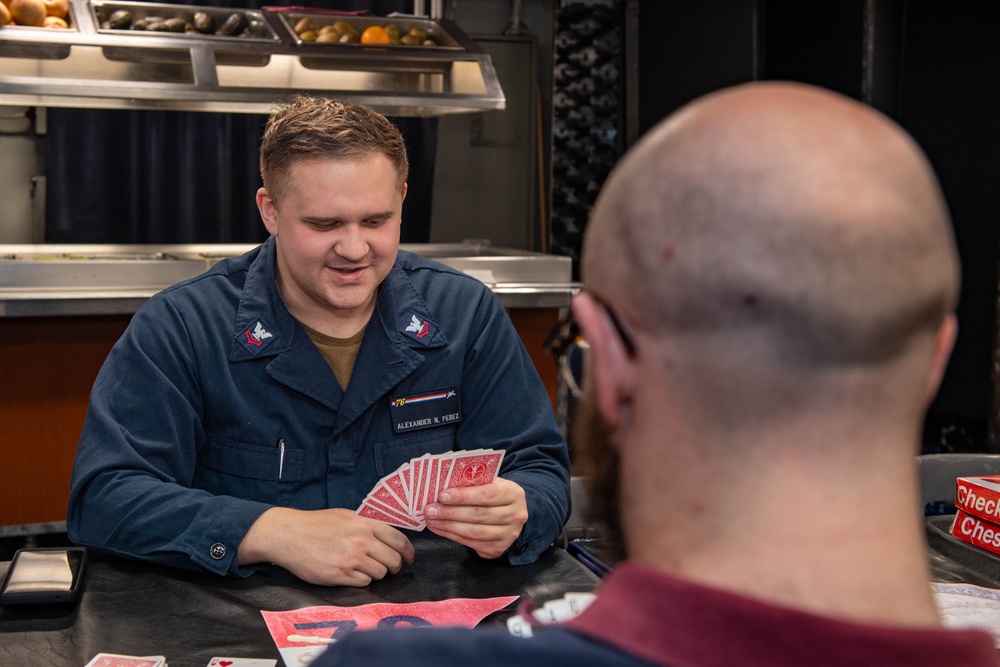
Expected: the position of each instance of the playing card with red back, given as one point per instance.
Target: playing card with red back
(398, 487)
(446, 462)
(392, 511)
(383, 493)
(433, 471)
(474, 468)
(370, 511)
(416, 481)
(399, 499)
(420, 490)
(116, 660)
(405, 474)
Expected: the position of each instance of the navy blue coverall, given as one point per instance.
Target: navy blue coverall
(180, 452)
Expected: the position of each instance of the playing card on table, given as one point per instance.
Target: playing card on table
(117, 660)
(398, 499)
(241, 662)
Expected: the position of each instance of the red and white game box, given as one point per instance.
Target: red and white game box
(979, 496)
(976, 531)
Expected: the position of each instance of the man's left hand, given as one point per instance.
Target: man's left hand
(485, 518)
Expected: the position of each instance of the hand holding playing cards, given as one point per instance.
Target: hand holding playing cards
(486, 518)
(471, 504)
(329, 547)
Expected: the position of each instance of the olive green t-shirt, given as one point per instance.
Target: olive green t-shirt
(340, 353)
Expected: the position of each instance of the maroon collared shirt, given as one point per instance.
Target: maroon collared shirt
(670, 621)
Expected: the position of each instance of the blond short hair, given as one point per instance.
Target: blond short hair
(307, 127)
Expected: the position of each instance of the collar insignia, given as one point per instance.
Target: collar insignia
(419, 329)
(256, 337)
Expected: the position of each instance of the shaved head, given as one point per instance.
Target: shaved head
(806, 225)
(770, 278)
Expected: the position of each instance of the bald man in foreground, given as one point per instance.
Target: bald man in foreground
(770, 278)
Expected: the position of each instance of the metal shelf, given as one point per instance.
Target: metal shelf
(90, 279)
(87, 67)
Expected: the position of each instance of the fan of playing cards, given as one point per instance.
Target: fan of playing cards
(399, 498)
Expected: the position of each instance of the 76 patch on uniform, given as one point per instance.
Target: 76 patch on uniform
(425, 410)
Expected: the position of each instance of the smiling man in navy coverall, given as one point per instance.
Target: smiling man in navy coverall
(770, 277)
(247, 412)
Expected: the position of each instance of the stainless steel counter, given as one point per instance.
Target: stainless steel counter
(90, 66)
(47, 280)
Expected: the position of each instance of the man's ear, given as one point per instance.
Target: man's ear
(609, 366)
(944, 341)
(268, 211)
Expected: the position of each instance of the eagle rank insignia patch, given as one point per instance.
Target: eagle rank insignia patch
(419, 329)
(256, 337)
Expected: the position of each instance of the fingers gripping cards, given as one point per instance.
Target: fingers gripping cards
(399, 498)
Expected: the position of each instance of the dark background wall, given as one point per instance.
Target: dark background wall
(931, 65)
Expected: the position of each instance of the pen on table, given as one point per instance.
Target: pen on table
(281, 457)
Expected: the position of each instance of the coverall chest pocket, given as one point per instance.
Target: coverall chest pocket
(391, 454)
(257, 472)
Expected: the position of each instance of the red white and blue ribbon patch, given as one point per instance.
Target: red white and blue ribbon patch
(425, 410)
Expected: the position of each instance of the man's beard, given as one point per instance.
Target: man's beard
(599, 464)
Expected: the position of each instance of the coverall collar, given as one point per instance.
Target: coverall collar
(385, 358)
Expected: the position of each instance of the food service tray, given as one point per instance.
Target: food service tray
(259, 29)
(287, 18)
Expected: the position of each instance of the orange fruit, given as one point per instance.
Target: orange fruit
(4, 14)
(375, 34)
(28, 12)
(58, 8)
(54, 22)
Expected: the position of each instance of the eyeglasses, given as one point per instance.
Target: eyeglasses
(567, 344)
